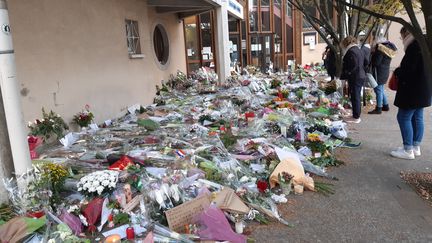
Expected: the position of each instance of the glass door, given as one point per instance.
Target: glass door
(199, 42)
(192, 44)
(261, 51)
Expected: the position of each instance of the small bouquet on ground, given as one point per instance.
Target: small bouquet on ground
(285, 182)
(316, 144)
(55, 175)
(98, 183)
(50, 125)
(33, 143)
(84, 118)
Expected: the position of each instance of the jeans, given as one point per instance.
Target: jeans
(355, 93)
(412, 126)
(380, 95)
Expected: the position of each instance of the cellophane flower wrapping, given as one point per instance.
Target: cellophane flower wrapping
(93, 212)
(72, 221)
(215, 226)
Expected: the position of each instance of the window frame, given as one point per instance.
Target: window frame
(133, 39)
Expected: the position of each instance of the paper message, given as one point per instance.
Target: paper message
(184, 214)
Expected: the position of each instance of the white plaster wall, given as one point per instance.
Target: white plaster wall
(73, 52)
(394, 36)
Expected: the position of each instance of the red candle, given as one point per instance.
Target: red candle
(130, 233)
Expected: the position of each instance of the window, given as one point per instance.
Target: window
(133, 38)
(161, 44)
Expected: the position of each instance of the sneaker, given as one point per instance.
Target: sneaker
(403, 154)
(417, 151)
(385, 108)
(353, 120)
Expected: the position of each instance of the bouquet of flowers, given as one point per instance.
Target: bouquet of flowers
(51, 124)
(55, 175)
(33, 143)
(84, 118)
(98, 183)
(285, 182)
(316, 144)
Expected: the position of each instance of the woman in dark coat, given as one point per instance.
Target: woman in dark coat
(413, 94)
(353, 70)
(330, 62)
(383, 53)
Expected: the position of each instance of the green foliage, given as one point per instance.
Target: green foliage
(121, 219)
(148, 124)
(228, 139)
(325, 161)
(324, 188)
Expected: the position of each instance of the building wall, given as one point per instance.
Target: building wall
(312, 55)
(73, 53)
(394, 36)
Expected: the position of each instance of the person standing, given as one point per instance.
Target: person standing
(353, 70)
(329, 58)
(383, 53)
(412, 96)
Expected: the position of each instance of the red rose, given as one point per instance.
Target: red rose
(262, 185)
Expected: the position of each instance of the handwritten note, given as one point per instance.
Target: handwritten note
(183, 214)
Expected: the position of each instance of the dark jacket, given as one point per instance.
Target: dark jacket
(381, 59)
(367, 55)
(330, 61)
(413, 89)
(354, 64)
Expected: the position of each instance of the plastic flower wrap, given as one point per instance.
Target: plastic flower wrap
(98, 183)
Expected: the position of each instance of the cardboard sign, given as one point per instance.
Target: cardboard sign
(184, 214)
(229, 201)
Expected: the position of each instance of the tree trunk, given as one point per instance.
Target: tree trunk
(6, 162)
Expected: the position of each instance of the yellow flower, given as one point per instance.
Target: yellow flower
(313, 137)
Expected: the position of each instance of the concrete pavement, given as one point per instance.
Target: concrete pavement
(372, 203)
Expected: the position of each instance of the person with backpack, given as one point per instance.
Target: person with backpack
(382, 55)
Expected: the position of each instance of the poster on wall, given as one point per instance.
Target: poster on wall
(308, 38)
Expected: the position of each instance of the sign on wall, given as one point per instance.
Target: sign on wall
(235, 8)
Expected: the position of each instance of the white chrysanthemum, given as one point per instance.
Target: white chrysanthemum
(105, 183)
(87, 186)
(92, 189)
(100, 189)
(112, 184)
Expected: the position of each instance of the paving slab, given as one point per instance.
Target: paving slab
(372, 203)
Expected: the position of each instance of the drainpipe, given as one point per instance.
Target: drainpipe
(222, 40)
(11, 97)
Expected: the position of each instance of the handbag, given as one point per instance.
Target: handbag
(371, 80)
(393, 83)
